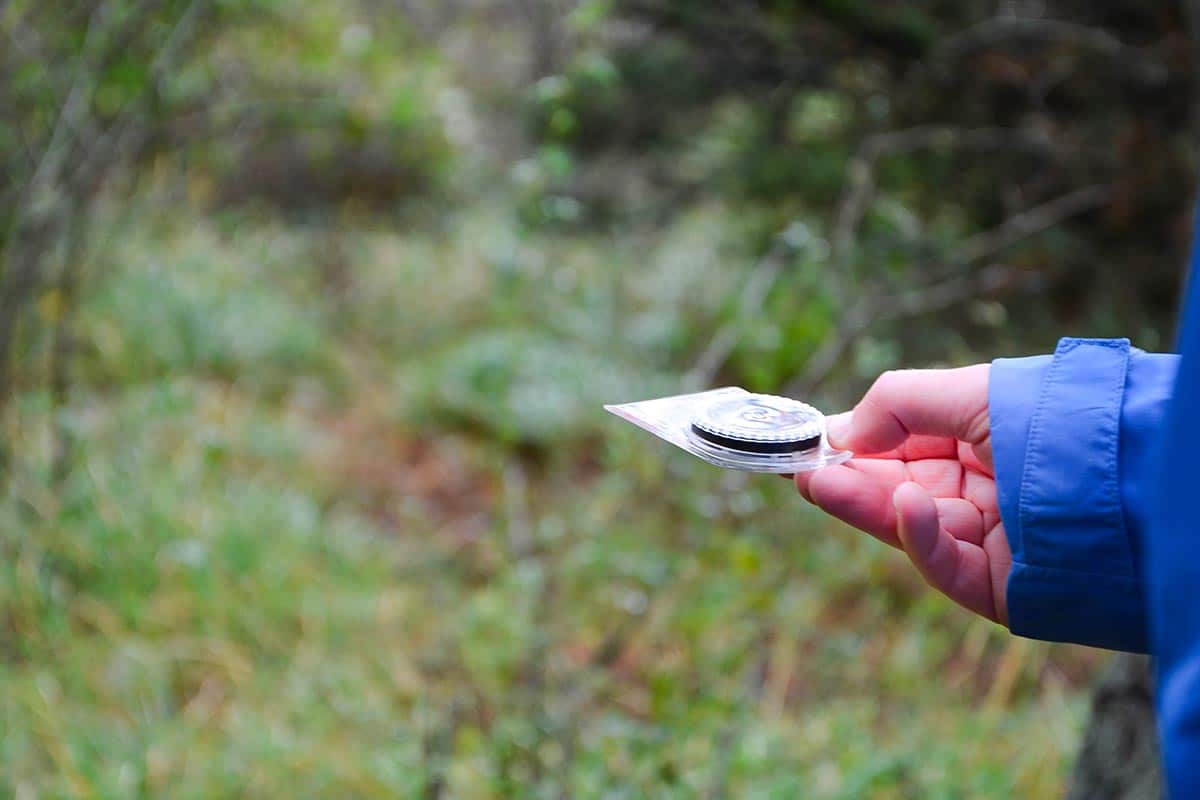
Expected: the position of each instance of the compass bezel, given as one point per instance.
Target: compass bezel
(713, 426)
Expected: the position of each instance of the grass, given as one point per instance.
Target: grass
(314, 543)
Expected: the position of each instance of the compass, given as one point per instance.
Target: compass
(760, 424)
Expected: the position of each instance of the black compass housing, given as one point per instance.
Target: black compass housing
(774, 447)
(759, 425)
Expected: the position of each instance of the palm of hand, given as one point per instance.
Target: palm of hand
(971, 566)
(933, 497)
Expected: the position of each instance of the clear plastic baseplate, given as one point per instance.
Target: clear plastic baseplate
(686, 421)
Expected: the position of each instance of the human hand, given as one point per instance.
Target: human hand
(922, 480)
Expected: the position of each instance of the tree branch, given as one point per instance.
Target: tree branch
(73, 161)
(913, 303)
(1000, 30)
(765, 275)
(1027, 223)
(955, 285)
(861, 184)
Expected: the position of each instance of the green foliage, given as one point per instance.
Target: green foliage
(244, 585)
(768, 105)
(83, 91)
(205, 307)
(526, 387)
(340, 124)
(331, 508)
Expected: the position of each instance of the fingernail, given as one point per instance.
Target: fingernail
(837, 429)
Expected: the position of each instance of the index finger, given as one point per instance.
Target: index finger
(937, 402)
(914, 448)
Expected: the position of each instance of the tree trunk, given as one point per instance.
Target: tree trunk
(1119, 759)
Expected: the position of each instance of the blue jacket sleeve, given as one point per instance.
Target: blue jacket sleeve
(1172, 554)
(1073, 440)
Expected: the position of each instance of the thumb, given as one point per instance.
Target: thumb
(932, 402)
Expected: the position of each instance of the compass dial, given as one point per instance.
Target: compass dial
(760, 424)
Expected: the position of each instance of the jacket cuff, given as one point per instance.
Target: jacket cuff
(1056, 442)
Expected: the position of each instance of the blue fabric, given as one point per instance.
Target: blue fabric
(1074, 442)
(1097, 449)
(1172, 554)
(1097, 455)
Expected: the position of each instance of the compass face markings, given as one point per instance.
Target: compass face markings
(760, 425)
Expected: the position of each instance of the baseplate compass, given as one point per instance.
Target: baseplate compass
(736, 429)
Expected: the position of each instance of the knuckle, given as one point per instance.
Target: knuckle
(978, 425)
(887, 384)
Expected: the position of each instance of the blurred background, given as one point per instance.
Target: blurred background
(308, 311)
